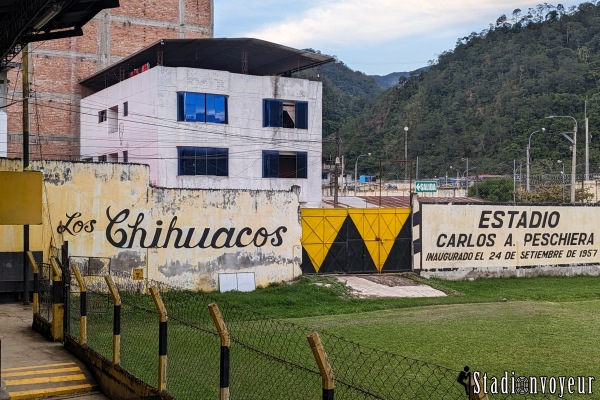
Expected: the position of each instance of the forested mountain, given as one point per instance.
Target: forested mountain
(389, 80)
(346, 93)
(482, 100)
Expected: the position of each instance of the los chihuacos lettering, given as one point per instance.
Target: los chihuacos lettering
(122, 234)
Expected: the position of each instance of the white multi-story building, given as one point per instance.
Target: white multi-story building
(210, 114)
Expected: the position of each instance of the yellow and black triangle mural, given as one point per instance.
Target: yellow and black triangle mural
(356, 240)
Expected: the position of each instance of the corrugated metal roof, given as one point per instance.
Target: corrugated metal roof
(392, 201)
(236, 55)
(27, 21)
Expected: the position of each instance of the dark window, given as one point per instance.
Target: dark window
(284, 164)
(102, 158)
(285, 114)
(125, 156)
(126, 109)
(201, 107)
(102, 116)
(203, 161)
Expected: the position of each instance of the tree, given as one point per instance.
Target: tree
(496, 189)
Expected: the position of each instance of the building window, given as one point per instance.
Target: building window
(126, 156)
(113, 119)
(101, 116)
(203, 161)
(285, 114)
(201, 107)
(284, 164)
(102, 158)
(126, 109)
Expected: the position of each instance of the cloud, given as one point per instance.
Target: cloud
(358, 22)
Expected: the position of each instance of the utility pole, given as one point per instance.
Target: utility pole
(514, 180)
(587, 144)
(335, 176)
(25, 67)
(342, 174)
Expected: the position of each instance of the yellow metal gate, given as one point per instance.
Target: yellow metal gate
(356, 240)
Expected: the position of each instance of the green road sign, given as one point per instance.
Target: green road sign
(426, 186)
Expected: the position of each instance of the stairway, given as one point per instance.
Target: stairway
(49, 380)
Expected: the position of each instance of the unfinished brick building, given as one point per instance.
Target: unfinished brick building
(56, 67)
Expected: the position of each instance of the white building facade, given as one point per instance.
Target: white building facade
(210, 129)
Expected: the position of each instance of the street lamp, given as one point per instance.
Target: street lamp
(465, 177)
(405, 152)
(467, 173)
(356, 170)
(528, 147)
(563, 178)
(574, 142)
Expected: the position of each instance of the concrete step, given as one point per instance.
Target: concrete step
(46, 381)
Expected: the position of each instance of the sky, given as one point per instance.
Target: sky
(376, 37)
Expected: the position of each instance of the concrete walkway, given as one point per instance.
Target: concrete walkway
(33, 367)
(366, 286)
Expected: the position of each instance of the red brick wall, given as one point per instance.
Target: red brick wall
(127, 38)
(57, 66)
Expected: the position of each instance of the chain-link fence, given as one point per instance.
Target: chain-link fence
(269, 358)
(556, 188)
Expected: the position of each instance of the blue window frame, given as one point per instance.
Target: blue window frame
(201, 107)
(285, 114)
(284, 164)
(203, 161)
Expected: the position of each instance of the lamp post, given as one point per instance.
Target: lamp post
(562, 173)
(356, 170)
(574, 142)
(466, 172)
(528, 147)
(405, 152)
(465, 176)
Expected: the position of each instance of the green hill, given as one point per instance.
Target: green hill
(346, 93)
(482, 100)
(389, 80)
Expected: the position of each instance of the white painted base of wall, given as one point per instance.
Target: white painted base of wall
(504, 272)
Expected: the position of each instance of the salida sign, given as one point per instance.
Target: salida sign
(127, 229)
(480, 235)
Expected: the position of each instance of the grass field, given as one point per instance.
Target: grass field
(532, 326)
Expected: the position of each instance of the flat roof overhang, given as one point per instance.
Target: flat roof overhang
(236, 55)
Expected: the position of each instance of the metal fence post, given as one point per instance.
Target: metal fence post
(66, 279)
(116, 320)
(328, 379)
(225, 342)
(82, 305)
(162, 339)
(58, 309)
(36, 283)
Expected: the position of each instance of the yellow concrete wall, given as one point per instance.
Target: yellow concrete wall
(109, 210)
